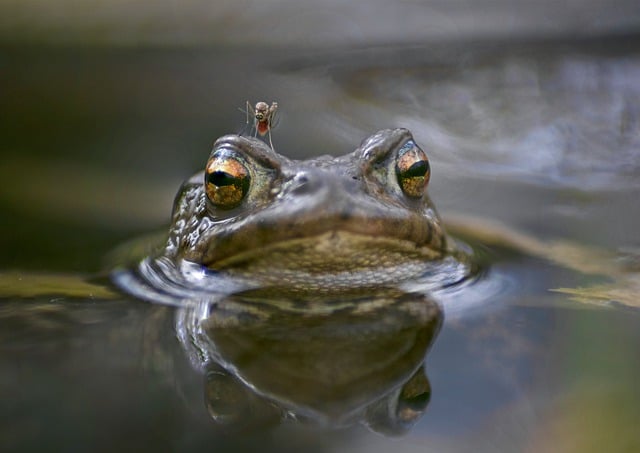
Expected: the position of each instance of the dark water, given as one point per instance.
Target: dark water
(542, 135)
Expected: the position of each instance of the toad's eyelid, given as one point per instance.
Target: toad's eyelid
(228, 152)
(383, 144)
(246, 157)
(408, 146)
(251, 149)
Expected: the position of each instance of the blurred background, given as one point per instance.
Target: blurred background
(528, 110)
(108, 105)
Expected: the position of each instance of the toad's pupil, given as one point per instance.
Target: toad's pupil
(221, 178)
(419, 168)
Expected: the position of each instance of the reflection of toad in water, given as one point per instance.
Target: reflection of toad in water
(335, 362)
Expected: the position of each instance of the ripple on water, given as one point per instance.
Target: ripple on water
(160, 280)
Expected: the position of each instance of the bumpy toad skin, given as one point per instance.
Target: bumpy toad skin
(315, 222)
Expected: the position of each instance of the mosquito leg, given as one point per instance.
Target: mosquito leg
(247, 111)
(253, 130)
(270, 142)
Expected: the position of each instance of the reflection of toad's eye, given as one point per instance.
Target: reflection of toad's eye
(226, 180)
(412, 170)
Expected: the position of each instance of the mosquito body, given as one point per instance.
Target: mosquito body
(263, 116)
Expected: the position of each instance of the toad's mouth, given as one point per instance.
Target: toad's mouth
(327, 252)
(320, 243)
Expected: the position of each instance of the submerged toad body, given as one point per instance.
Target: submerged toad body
(358, 220)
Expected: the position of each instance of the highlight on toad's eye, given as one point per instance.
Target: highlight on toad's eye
(226, 180)
(412, 169)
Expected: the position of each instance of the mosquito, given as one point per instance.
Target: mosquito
(263, 116)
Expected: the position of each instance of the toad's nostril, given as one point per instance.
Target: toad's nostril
(302, 185)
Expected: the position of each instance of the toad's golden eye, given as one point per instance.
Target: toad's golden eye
(412, 170)
(226, 180)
